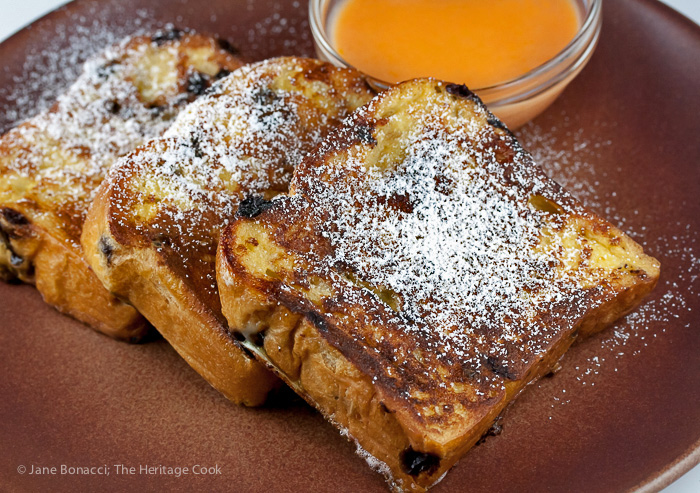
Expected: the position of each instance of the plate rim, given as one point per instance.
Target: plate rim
(656, 480)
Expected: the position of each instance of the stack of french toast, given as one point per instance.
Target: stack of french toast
(397, 259)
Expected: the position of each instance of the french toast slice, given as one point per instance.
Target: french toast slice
(152, 233)
(421, 272)
(52, 164)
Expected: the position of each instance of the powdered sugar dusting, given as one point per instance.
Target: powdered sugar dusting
(446, 221)
(49, 70)
(568, 156)
(669, 310)
(574, 162)
(124, 96)
(436, 255)
(374, 463)
(278, 33)
(244, 137)
(228, 126)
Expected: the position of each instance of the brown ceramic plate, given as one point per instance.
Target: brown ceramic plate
(623, 414)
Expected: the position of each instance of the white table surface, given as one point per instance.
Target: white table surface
(18, 14)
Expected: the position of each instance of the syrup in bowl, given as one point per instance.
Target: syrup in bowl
(517, 55)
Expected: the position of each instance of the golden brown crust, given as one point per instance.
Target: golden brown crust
(426, 248)
(346, 396)
(152, 234)
(51, 165)
(329, 382)
(189, 327)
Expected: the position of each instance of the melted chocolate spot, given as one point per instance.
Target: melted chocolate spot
(264, 96)
(157, 109)
(495, 122)
(106, 70)
(196, 147)
(253, 206)
(226, 46)
(258, 339)
(106, 248)
(318, 321)
(499, 368)
(112, 106)
(13, 217)
(495, 430)
(164, 35)
(222, 73)
(197, 83)
(364, 133)
(415, 463)
(460, 91)
(15, 259)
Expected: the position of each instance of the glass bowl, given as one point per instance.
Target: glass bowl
(515, 101)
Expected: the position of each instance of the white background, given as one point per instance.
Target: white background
(17, 14)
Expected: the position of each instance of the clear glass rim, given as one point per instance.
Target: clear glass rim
(580, 48)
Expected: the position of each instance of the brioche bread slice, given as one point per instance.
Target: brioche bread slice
(152, 232)
(51, 165)
(421, 272)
